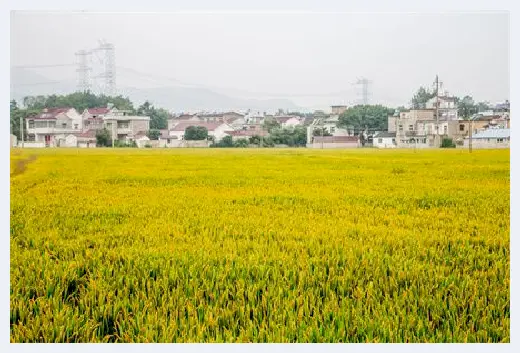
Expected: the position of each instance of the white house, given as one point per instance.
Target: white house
(385, 140)
(142, 140)
(490, 138)
(288, 121)
(53, 125)
(217, 130)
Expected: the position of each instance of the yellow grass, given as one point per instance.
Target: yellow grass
(229, 245)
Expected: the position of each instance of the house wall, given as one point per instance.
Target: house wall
(33, 144)
(392, 124)
(220, 132)
(70, 141)
(333, 145)
(386, 142)
(487, 143)
(140, 125)
(85, 144)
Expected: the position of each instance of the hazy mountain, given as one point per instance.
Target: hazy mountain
(26, 82)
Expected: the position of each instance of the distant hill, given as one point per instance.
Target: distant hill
(28, 83)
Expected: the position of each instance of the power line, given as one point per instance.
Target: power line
(40, 66)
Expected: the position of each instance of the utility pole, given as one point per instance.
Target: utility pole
(21, 130)
(322, 127)
(470, 135)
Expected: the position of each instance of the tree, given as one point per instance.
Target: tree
(241, 143)
(158, 117)
(227, 141)
(321, 132)
(421, 97)
(359, 117)
(290, 137)
(466, 107)
(154, 134)
(103, 138)
(196, 133)
(78, 100)
(15, 114)
(270, 125)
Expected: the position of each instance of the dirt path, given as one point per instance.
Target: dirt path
(21, 165)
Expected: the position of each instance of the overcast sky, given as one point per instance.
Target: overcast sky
(313, 59)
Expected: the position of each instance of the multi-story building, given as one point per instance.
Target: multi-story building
(447, 107)
(52, 125)
(126, 127)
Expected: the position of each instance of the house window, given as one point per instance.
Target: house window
(445, 130)
(400, 127)
(332, 129)
(31, 124)
(64, 125)
(379, 140)
(393, 141)
(461, 127)
(52, 124)
(168, 141)
(75, 126)
(500, 140)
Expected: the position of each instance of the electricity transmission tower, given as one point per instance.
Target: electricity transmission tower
(365, 90)
(83, 70)
(105, 55)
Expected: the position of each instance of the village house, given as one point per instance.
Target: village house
(338, 109)
(384, 140)
(334, 142)
(447, 107)
(247, 134)
(126, 127)
(215, 129)
(489, 138)
(288, 121)
(52, 126)
(93, 117)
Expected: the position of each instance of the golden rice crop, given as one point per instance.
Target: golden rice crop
(250, 245)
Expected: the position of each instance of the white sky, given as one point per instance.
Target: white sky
(285, 55)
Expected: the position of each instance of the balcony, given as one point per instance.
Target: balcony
(124, 130)
(52, 130)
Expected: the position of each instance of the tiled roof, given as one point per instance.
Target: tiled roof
(88, 133)
(182, 126)
(385, 134)
(49, 113)
(98, 111)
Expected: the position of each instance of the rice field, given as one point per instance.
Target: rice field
(252, 245)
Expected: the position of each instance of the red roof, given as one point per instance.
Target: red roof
(336, 139)
(49, 113)
(88, 133)
(182, 126)
(98, 111)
